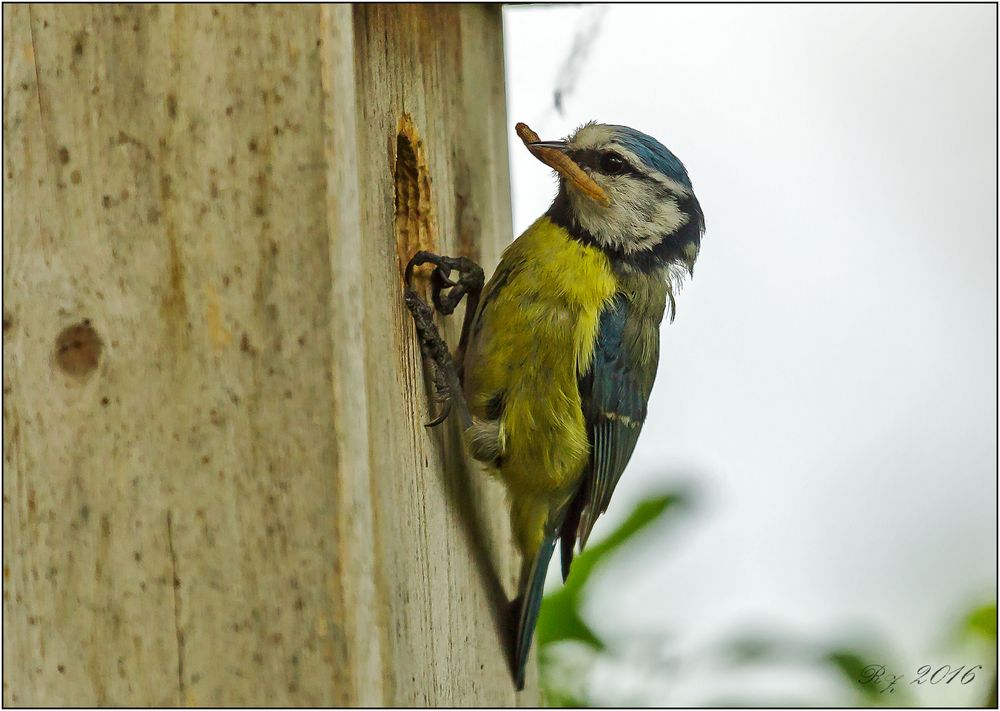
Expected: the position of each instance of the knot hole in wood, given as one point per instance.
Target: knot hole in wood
(78, 349)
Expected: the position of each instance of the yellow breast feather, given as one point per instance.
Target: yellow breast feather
(542, 304)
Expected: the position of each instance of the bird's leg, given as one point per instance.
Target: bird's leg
(447, 376)
(435, 351)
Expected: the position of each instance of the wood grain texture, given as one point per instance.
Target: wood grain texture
(218, 489)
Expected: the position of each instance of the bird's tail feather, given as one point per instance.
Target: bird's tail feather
(530, 603)
(569, 531)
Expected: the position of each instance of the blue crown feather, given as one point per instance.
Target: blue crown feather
(653, 153)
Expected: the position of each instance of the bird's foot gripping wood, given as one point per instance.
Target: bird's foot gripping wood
(470, 279)
(447, 294)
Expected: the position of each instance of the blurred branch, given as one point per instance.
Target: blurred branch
(583, 41)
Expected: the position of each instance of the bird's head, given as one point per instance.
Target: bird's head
(624, 192)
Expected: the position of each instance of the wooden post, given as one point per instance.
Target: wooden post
(217, 488)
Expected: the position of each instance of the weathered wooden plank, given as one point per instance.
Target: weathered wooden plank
(217, 486)
(456, 107)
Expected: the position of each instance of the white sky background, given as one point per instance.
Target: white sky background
(829, 384)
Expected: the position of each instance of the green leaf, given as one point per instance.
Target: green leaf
(852, 665)
(982, 622)
(560, 617)
(558, 700)
(855, 666)
(645, 514)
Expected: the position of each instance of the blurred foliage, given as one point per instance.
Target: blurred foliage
(979, 626)
(560, 616)
(560, 619)
(569, 647)
(982, 622)
(851, 663)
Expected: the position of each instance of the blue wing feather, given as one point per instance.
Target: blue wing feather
(614, 392)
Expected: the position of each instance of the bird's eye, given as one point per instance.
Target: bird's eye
(612, 163)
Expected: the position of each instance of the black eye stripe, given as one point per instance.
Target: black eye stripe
(591, 159)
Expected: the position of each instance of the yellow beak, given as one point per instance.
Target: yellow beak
(555, 157)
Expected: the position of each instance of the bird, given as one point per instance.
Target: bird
(559, 349)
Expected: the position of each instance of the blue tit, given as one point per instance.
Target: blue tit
(559, 352)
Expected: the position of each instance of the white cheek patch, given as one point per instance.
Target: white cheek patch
(666, 219)
(637, 220)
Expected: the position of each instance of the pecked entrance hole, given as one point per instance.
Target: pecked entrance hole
(415, 223)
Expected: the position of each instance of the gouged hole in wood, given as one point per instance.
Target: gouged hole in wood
(415, 224)
(78, 349)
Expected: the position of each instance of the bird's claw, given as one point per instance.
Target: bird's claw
(470, 279)
(442, 416)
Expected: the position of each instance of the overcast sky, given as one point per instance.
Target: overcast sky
(829, 384)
